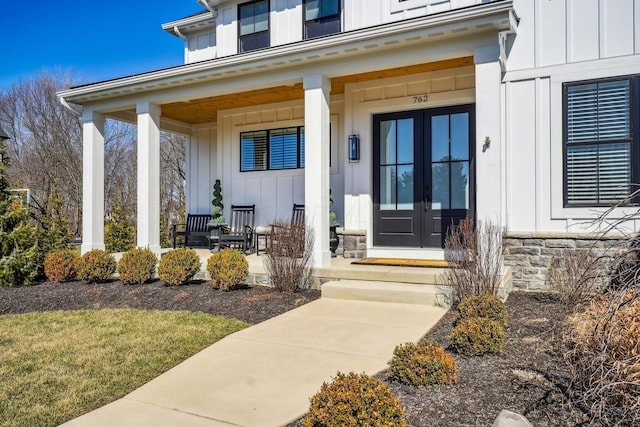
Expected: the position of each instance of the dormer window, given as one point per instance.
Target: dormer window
(253, 25)
(321, 18)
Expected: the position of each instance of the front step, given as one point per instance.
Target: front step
(393, 292)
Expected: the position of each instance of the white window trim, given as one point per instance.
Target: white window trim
(402, 5)
(558, 210)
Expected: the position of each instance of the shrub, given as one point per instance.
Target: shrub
(602, 352)
(52, 232)
(422, 365)
(574, 275)
(61, 266)
(486, 305)
(476, 336)
(119, 232)
(96, 266)
(137, 266)
(476, 256)
(354, 400)
(18, 246)
(228, 269)
(289, 250)
(178, 266)
(625, 273)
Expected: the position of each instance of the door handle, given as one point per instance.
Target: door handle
(427, 199)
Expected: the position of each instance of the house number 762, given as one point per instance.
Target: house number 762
(420, 99)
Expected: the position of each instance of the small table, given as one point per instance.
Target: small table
(261, 232)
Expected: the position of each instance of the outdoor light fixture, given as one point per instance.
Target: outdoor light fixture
(354, 148)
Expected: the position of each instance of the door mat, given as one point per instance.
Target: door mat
(403, 262)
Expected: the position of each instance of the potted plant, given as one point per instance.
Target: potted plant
(333, 225)
(216, 212)
(217, 218)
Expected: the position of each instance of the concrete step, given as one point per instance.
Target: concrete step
(393, 292)
(344, 270)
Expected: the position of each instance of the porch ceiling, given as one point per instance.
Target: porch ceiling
(205, 110)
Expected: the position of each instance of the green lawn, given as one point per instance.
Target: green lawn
(56, 366)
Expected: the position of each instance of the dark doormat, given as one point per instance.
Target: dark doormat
(403, 262)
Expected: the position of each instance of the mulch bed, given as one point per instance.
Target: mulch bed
(250, 304)
(530, 377)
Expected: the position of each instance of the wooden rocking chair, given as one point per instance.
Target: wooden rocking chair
(239, 233)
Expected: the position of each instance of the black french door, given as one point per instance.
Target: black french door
(423, 172)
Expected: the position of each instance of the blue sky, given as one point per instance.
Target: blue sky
(94, 40)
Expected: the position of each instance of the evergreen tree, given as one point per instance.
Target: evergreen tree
(119, 232)
(53, 232)
(18, 246)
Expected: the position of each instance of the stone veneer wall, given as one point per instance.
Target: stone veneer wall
(352, 243)
(529, 254)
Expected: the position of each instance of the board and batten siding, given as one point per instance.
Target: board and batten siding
(274, 191)
(558, 41)
(554, 32)
(286, 21)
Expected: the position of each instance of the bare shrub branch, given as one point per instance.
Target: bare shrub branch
(475, 257)
(575, 275)
(289, 250)
(603, 353)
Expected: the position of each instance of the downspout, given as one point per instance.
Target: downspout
(177, 32)
(76, 112)
(503, 38)
(209, 7)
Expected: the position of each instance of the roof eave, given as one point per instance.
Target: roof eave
(491, 13)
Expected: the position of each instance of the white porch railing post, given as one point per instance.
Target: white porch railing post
(148, 226)
(316, 173)
(92, 181)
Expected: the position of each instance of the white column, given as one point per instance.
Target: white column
(92, 181)
(149, 176)
(316, 164)
(489, 158)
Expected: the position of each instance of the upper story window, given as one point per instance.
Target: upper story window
(600, 144)
(321, 18)
(253, 26)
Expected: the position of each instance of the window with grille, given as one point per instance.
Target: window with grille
(273, 149)
(599, 142)
(321, 18)
(253, 26)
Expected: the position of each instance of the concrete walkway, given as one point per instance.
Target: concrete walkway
(264, 375)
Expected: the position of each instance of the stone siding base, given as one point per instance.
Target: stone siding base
(529, 254)
(352, 243)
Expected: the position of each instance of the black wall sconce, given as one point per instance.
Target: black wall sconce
(354, 148)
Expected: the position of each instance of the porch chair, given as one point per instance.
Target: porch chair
(297, 218)
(239, 233)
(195, 226)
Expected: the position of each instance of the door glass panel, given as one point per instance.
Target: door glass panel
(460, 136)
(387, 142)
(439, 138)
(405, 187)
(440, 186)
(405, 141)
(387, 188)
(459, 185)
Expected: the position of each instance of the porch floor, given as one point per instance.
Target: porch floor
(342, 269)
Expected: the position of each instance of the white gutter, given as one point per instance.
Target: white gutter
(77, 111)
(250, 59)
(177, 32)
(209, 5)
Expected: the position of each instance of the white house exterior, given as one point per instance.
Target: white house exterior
(522, 112)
